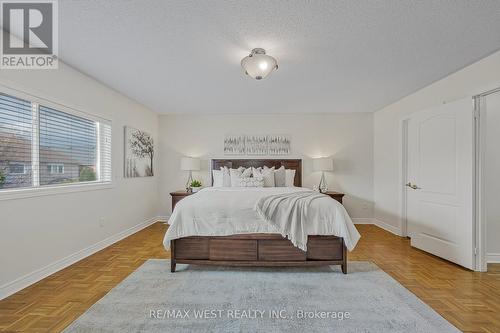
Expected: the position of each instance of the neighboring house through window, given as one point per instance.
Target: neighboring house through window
(17, 168)
(55, 168)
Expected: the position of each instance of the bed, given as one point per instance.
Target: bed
(218, 226)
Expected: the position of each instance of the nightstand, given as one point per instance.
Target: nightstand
(335, 195)
(178, 196)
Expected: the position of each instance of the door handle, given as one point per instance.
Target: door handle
(413, 186)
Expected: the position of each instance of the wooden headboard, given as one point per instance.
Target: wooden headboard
(246, 163)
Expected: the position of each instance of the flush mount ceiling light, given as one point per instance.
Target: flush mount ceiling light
(258, 64)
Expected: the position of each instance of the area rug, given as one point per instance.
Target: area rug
(229, 299)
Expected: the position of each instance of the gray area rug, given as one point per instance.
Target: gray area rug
(228, 299)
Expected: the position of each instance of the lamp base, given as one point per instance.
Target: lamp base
(322, 187)
(188, 183)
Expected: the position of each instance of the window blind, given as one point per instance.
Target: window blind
(70, 141)
(105, 151)
(16, 132)
(42, 146)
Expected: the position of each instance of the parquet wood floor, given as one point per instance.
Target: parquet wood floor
(469, 300)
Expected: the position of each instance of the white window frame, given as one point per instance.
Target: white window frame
(37, 190)
(17, 173)
(55, 166)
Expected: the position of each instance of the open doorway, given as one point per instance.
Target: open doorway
(488, 179)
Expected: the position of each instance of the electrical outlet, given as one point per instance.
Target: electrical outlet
(101, 222)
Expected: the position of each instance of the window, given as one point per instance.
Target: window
(55, 168)
(15, 142)
(42, 145)
(69, 140)
(17, 168)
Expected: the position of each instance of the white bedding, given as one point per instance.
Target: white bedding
(226, 211)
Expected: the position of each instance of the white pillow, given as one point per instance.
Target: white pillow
(280, 177)
(247, 173)
(236, 174)
(218, 177)
(289, 178)
(251, 182)
(256, 172)
(226, 180)
(267, 174)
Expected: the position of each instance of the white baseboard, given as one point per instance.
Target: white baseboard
(33, 277)
(493, 258)
(378, 223)
(388, 227)
(162, 218)
(362, 220)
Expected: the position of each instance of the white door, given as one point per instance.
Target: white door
(439, 186)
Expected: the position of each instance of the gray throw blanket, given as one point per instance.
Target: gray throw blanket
(288, 213)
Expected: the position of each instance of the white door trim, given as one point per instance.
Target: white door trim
(480, 209)
(479, 206)
(403, 173)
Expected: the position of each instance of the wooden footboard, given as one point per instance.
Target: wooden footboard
(258, 250)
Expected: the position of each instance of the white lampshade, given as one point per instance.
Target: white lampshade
(190, 164)
(323, 164)
(258, 64)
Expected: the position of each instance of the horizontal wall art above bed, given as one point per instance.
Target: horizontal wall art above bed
(257, 145)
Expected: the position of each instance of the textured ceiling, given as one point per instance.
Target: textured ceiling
(334, 56)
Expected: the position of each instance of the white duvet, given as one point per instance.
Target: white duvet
(224, 211)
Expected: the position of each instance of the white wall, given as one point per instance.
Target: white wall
(492, 179)
(39, 231)
(348, 138)
(478, 77)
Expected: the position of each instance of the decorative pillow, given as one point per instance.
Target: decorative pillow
(289, 178)
(251, 182)
(256, 172)
(226, 180)
(266, 173)
(280, 177)
(218, 177)
(246, 173)
(235, 174)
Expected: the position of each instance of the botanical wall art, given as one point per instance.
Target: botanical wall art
(257, 145)
(139, 153)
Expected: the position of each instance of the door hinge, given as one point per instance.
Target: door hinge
(475, 251)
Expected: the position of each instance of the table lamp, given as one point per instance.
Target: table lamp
(190, 164)
(323, 164)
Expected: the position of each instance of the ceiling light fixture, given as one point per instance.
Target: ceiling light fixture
(258, 64)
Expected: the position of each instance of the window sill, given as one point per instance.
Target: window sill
(11, 194)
